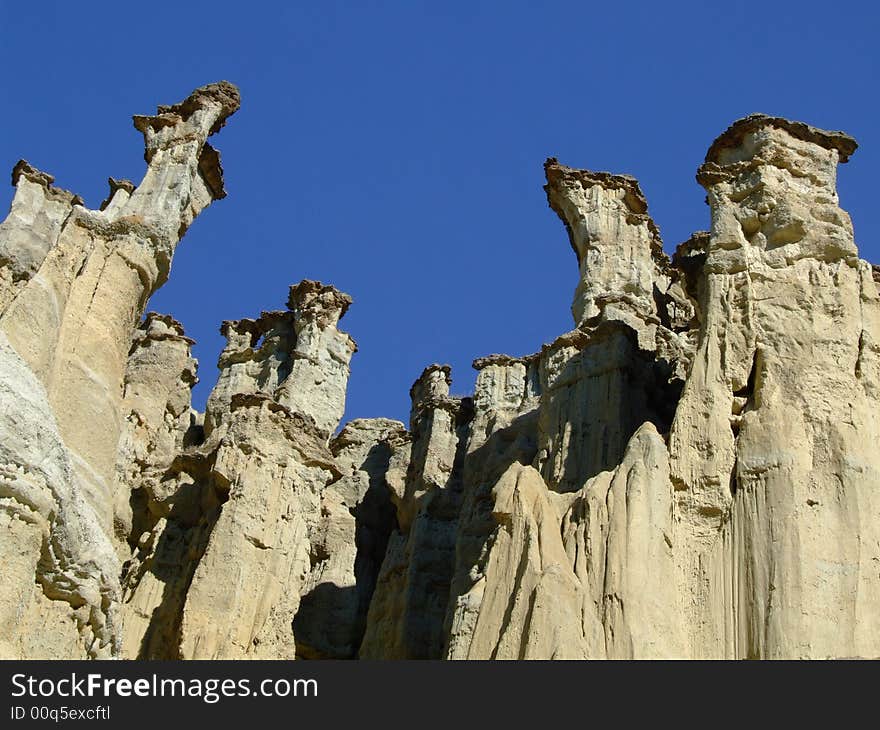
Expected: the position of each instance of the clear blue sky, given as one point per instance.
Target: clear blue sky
(394, 149)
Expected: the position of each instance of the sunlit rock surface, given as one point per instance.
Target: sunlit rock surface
(691, 471)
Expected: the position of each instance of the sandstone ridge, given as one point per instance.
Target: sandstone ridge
(688, 473)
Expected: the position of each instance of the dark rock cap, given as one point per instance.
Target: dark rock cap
(635, 199)
(733, 135)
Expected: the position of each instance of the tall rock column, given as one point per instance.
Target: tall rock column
(564, 546)
(38, 214)
(319, 363)
(73, 285)
(157, 414)
(602, 381)
(618, 247)
(407, 614)
(772, 448)
(348, 547)
(270, 463)
(87, 286)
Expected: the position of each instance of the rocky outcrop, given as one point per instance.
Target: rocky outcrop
(776, 481)
(249, 510)
(406, 615)
(73, 285)
(357, 519)
(745, 528)
(687, 473)
(159, 420)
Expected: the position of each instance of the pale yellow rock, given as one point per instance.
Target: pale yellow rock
(770, 449)
(280, 395)
(87, 295)
(407, 612)
(767, 546)
(618, 536)
(246, 588)
(349, 544)
(61, 583)
(158, 418)
(689, 473)
(530, 602)
(584, 575)
(234, 517)
(73, 285)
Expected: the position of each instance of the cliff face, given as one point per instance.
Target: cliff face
(689, 472)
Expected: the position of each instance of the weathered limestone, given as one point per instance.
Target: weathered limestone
(357, 519)
(319, 366)
(690, 472)
(618, 537)
(297, 355)
(529, 600)
(88, 292)
(159, 378)
(617, 244)
(80, 278)
(38, 213)
(406, 615)
(245, 590)
(770, 450)
(249, 512)
(756, 534)
(61, 575)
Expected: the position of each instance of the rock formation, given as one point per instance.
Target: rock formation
(689, 472)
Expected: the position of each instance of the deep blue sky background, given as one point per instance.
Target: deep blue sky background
(394, 149)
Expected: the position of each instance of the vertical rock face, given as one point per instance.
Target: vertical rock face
(779, 516)
(297, 355)
(156, 399)
(617, 244)
(408, 609)
(85, 288)
(271, 464)
(74, 285)
(250, 515)
(689, 472)
(357, 519)
(700, 429)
